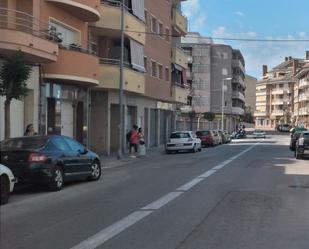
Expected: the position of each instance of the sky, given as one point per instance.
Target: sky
(253, 19)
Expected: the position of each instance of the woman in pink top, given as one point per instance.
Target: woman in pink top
(134, 140)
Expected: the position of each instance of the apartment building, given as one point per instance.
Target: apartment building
(149, 96)
(275, 94)
(53, 37)
(250, 94)
(210, 67)
(301, 96)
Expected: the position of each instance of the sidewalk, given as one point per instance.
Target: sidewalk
(112, 161)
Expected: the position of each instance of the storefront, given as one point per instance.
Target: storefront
(64, 110)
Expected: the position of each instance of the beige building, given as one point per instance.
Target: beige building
(275, 94)
(301, 97)
(250, 94)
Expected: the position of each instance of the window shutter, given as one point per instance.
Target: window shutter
(138, 9)
(137, 56)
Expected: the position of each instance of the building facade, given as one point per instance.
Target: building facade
(275, 94)
(74, 48)
(250, 94)
(210, 67)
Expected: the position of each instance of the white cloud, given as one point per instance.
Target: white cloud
(269, 53)
(239, 13)
(192, 9)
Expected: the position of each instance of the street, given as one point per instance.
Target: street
(251, 193)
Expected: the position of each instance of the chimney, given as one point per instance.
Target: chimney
(264, 70)
(307, 55)
(290, 58)
(286, 58)
(295, 66)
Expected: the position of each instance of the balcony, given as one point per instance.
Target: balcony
(303, 83)
(180, 94)
(179, 57)
(261, 93)
(180, 22)
(238, 110)
(237, 63)
(237, 79)
(238, 95)
(260, 103)
(110, 23)
(303, 111)
(20, 31)
(86, 10)
(303, 97)
(74, 65)
(280, 91)
(260, 114)
(277, 113)
(109, 74)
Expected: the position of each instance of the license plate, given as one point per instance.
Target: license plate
(179, 145)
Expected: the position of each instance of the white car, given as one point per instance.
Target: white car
(259, 134)
(7, 181)
(183, 140)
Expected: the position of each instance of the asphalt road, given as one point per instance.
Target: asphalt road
(248, 194)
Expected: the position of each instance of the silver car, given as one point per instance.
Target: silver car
(7, 181)
(183, 141)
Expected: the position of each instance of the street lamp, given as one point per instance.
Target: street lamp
(223, 103)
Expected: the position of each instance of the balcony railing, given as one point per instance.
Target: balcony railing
(303, 83)
(22, 21)
(116, 3)
(115, 62)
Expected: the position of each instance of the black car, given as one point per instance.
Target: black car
(302, 145)
(294, 138)
(51, 160)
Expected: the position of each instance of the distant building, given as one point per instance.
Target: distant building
(275, 94)
(209, 66)
(250, 98)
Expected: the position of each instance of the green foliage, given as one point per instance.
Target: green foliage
(13, 76)
(209, 116)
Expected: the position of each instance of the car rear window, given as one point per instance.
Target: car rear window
(202, 133)
(28, 143)
(180, 135)
(306, 135)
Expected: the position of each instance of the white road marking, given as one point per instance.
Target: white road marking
(111, 231)
(162, 201)
(128, 221)
(190, 184)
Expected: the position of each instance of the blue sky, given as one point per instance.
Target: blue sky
(261, 19)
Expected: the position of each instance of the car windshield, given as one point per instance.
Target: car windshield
(28, 143)
(180, 135)
(202, 133)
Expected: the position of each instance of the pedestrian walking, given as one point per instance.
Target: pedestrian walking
(133, 141)
(30, 130)
(141, 143)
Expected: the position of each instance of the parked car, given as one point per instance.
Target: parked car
(293, 140)
(217, 136)
(207, 138)
(257, 133)
(223, 137)
(284, 127)
(302, 145)
(183, 140)
(7, 181)
(227, 136)
(51, 160)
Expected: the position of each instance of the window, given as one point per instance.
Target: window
(154, 70)
(60, 143)
(167, 74)
(67, 35)
(75, 146)
(154, 25)
(167, 34)
(146, 18)
(145, 63)
(161, 32)
(160, 69)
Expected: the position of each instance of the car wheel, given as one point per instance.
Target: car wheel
(57, 180)
(95, 171)
(5, 190)
(194, 149)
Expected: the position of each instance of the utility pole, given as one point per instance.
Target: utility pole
(121, 119)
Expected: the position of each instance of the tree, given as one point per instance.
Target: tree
(13, 76)
(209, 116)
